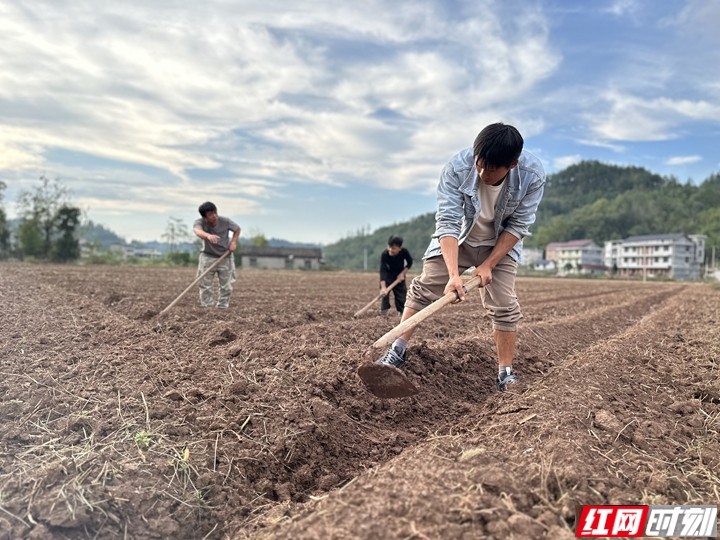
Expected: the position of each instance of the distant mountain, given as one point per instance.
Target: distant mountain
(94, 232)
(587, 200)
(277, 242)
(165, 247)
(353, 252)
(604, 202)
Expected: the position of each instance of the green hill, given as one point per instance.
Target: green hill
(99, 234)
(587, 200)
(349, 253)
(604, 202)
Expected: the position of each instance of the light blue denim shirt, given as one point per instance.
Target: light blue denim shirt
(459, 204)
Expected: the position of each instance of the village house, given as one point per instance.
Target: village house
(133, 252)
(544, 265)
(676, 256)
(576, 257)
(280, 258)
(529, 256)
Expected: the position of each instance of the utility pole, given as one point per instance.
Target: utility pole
(365, 260)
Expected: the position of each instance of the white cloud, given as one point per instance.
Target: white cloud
(562, 162)
(180, 85)
(657, 88)
(146, 109)
(683, 160)
(699, 18)
(623, 7)
(631, 118)
(602, 144)
(19, 156)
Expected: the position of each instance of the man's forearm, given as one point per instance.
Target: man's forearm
(503, 246)
(234, 240)
(449, 248)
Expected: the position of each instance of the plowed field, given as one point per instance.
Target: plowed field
(251, 422)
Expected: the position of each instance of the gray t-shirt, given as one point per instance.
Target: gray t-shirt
(222, 229)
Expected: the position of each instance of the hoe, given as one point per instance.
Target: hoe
(378, 297)
(213, 265)
(388, 381)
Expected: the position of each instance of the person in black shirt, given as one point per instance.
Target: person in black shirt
(394, 263)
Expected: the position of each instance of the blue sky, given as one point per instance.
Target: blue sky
(312, 119)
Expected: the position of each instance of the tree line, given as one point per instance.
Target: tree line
(48, 224)
(50, 228)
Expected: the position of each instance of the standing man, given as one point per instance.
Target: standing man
(394, 263)
(214, 231)
(487, 198)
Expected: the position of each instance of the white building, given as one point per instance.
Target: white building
(529, 256)
(279, 258)
(544, 265)
(676, 256)
(576, 257)
(611, 254)
(130, 252)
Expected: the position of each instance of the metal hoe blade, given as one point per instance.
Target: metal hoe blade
(386, 382)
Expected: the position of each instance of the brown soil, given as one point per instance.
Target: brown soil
(251, 422)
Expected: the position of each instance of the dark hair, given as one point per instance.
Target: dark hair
(498, 145)
(395, 240)
(207, 207)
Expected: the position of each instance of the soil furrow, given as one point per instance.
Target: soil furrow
(208, 422)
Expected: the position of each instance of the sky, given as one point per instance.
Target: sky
(314, 119)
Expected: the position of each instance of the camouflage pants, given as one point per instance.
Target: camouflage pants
(226, 277)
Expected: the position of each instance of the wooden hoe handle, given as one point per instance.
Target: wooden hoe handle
(378, 297)
(420, 316)
(213, 265)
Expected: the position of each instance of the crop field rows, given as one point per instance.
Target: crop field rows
(251, 422)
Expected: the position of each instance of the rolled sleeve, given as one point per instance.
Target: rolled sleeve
(448, 219)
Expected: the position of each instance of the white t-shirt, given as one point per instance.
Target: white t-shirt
(483, 232)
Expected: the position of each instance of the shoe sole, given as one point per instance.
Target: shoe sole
(386, 382)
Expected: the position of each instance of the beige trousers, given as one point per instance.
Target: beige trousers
(498, 297)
